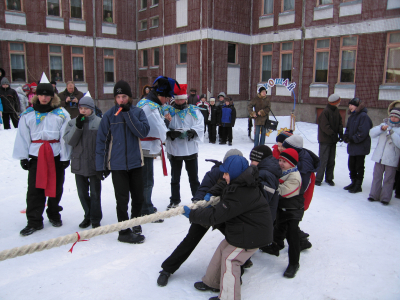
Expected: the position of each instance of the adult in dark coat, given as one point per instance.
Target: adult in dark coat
(330, 131)
(11, 104)
(70, 98)
(193, 98)
(359, 143)
(262, 106)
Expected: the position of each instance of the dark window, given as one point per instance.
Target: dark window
(53, 8)
(183, 54)
(156, 56)
(14, 5)
(232, 53)
(108, 65)
(17, 55)
(145, 58)
(108, 11)
(56, 63)
(76, 9)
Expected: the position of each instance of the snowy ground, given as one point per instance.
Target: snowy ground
(355, 253)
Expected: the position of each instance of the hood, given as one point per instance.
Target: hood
(249, 177)
(55, 102)
(144, 89)
(270, 164)
(308, 161)
(393, 105)
(360, 108)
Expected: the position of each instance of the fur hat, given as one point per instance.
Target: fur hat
(355, 101)
(294, 141)
(5, 81)
(283, 136)
(395, 112)
(86, 102)
(122, 87)
(45, 89)
(180, 91)
(291, 156)
(232, 152)
(234, 166)
(260, 152)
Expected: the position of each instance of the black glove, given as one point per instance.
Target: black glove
(125, 107)
(79, 121)
(346, 138)
(25, 164)
(65, 164)
(101, 175)
(173, 134)
(191, 134)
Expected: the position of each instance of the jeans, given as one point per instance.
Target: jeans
(176, 169)
(148, 183)
(91, 203)
(257, 139)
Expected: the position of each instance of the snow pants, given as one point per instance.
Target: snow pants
(223, 272)
(327, 153)
(382, 191)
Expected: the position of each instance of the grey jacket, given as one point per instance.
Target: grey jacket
(83, 141)
(387, 152)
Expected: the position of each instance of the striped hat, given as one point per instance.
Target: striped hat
(395, 112)
(283, 136)
(291, 156)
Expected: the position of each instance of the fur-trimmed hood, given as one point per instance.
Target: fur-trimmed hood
(55, 102)
(359, 108)
(393, 105)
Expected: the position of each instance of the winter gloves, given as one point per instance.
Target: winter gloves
(174, 134)
(126, 107)
(79, 121)
(207, 197)
(25, 164)
(187, 211)
(191, 134)
(101, 175)
(65, 164)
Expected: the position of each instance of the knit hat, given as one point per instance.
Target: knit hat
(260, 89)
(180, 91)
(333, 98)
(33, 86)
(45, 89)
(26, 88)
(5, 81)
(294, 141)
(122, 87)
(86, 102)
(234, 166)
(222, 94)
(212, 99)
(395, 112)
(283, 136)
(260, 152)
(355, 101)
(232, 152)
(291, 156)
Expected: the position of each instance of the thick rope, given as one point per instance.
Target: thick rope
(87, 234)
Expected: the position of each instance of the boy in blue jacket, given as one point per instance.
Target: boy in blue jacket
(228, 118)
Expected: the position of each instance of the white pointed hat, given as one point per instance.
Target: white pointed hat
(44, 79)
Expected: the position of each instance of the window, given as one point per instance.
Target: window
(154, 22)
(392, 63)
(108, 65)
(143, 25)
(76, 9)
(56, 63)
(78, 64)
(17, 58)
(183, 54)
(53, 8)
(145, 59)
(324, 2)
(154, 2)
(156, 56)
(266, 60)
(348, 55)
(232, 53)
(14, 5)
(268, 7)
(321, 60)
(108, 11)
(287, 5)
(286, 60)
(143, 4)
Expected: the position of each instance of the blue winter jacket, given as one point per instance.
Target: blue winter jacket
(228, 116)
(308, 163)
(210, 179)
(357, 130)
(117, 144)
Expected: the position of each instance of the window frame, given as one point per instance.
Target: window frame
(281, 52)
(388, 46)
(18, 53)
(59, 9)
(113, 57)
(340, 58)
(153, 3)
(283, 6)
(262, 8)
(21, 3)
(179, 54)
(62, 60)
(72, 63)
(151, 22)
(325, 4)
(113, 12)
(236, 54)
(83, 11)
(141, 25)
(153, 56)
(141, 5)
(316, 50)
(142, 65)
(262, 54)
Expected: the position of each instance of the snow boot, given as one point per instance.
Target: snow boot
(305, 244)
(163, 278)
(291, 271)
(302, 234)
(214, 298)
(85, 223)
(28, 230)
(95, 225)
(350, 186)
(172, 205)
(201, 286)
(248, 264)
(272, 249)
(137, 229)
(357, 187)
(56, 223)
(371, 199)
(330, 182)
(127, 236)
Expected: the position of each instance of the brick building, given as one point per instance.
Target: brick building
(348, 47)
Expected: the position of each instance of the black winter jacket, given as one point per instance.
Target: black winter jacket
(357, 132)
(10, 100)
(214, 114)
(330, 126)
(244, 210)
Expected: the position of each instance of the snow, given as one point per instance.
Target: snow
(355, 252)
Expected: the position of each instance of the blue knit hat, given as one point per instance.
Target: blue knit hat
(234, 165)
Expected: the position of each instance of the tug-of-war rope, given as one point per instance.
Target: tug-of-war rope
(87, 234)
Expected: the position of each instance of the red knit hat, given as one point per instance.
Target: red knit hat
(291, 156)
(181, 93)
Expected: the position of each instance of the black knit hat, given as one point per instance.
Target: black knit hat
(283, 136)
(260, 152)
(122, 87)
(45, 89)
(355, 101)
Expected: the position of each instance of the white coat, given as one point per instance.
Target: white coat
(387, 152)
